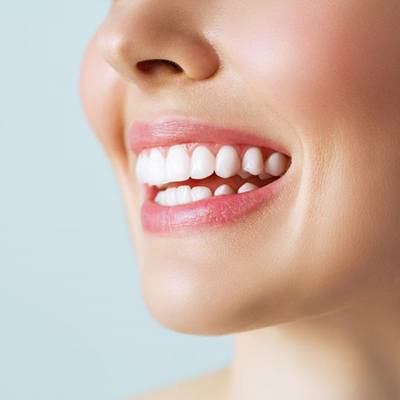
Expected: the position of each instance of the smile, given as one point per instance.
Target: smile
(192, 183)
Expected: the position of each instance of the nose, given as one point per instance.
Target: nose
(151, 42)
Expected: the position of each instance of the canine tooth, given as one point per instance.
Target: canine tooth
(247, 187)
(200, 193)
(253, 161)
(227, 163)
(183, 194)
(170, 197)
(203, 163)
(141, 167)
(156, 167)
(178, 164)
(223, 189)
(276, 164)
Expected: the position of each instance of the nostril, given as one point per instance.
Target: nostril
(148, 66)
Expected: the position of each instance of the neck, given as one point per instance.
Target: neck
(350, 354)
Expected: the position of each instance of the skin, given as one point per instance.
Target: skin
(307, 286)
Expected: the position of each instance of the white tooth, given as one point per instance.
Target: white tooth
(227, 163)
(141, 167)
(223, 189)
(253, 161)
(247, 187)
(156, 167)
(276, 164)
(178, 164)
(203, 163)
(170, 197)
(183, 194)
(200, 193)
(160, 198)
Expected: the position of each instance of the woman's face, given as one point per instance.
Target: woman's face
(320, 81)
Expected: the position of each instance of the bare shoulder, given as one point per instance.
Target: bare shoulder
(207, 386)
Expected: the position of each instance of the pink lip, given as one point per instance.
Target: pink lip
(167, 132)
(207, 213)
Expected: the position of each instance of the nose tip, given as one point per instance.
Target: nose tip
(153, 50)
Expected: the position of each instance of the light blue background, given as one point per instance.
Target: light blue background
(73, 323)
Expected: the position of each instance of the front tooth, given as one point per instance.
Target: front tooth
(178, 164)
(223, 189)
(253, 161)
(247, 187)
(183, 194)
(200, 193)
(142, 168)
(170, 197)
(203, 163)
(276, 164)
(156, 167)
(227, 162)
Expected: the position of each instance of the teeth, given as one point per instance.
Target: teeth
(223, 189)
(183, 194)
(156, 168)
(200, 193)
(178, 164)
(203, 163)
(253, 161)
(276, 164)
(170, 197)
(160, 198)
(247, 187)
(227, 162)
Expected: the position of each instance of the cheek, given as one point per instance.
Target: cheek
(333, 71)
(323, 61)
(102, 97)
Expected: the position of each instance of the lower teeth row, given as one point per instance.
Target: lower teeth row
(185, 194)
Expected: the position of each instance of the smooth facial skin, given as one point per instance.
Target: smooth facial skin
(321, 78)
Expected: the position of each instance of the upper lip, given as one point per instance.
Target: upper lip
(174, 130)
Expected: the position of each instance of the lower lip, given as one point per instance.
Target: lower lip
(205, 214)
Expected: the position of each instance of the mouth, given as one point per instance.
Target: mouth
(197, 176)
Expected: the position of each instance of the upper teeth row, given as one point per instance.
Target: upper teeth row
(179, 165)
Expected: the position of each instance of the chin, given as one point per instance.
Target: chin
(199, 299)
(195, 297)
